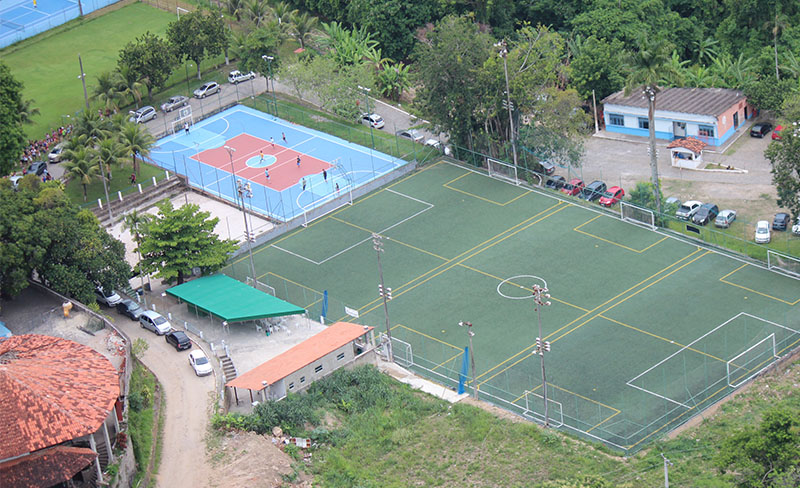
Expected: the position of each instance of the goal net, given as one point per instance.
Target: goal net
(637, 215)
(503, 171)
(781, 263)
(261, 286)
(534, 409)
(184, 117)
(752, 361)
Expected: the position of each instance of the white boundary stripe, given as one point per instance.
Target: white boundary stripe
(318, 263)
(535, 415)
(728, 364)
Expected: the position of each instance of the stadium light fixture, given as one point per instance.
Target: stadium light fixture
(244, 190)
(503, 53)
(541, 297)
(471, 334)
(385, 293)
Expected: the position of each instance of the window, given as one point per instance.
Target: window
(318, 369)
(291, 386)
(340, 356)
(616, 119)
(705, 130)
(302, 379)
(644, 123)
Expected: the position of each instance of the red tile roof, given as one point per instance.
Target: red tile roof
(46, 467)
(53, 390)
(303, 354)
(690, 143)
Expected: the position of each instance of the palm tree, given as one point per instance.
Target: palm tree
(302, 27)
(135, 140)
(81, 166)
(706, 49)
(109, 151)
(130, 85)
(136, 222)
(107, 90)
(257, 11)
(235, 8)
(91, 125)
(26, 111)
(649, 64)
(776, 26)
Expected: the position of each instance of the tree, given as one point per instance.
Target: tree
(81, 166)
(136, 141)
(130, 85)
(759, 455)
(136, 223)
(178, 240)
(767, 94)
(21, 240)
(257, 11)
(394, 22)
(647, 66)
(235, 8)
(335, 86)
(148, 60)
(27, 111)
(196, 35)
(107, 90)
(12, 136)
(303, 25)
(784, 155)
(597, 67)
(393, 80)
(90, 124)
(250, 48)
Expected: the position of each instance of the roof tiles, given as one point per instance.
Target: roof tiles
(700, 101)
(46, 467)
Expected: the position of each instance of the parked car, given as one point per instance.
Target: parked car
(36, 168)
(108, 298)
(410, 134)
(142, 115)
(207, 89)
(776, 134)
(443, 148)
(762, 232)
(55, 154)
(781, 221)
(556, 182)
(375, 120)
(796, 227)
(15, 181)
(705, 214)
(200, 363)
(177, 101)
(237, 76)
(687, 209)
(154, 322)
(574, 187)
(673, 201)
(760, 130)
(612, 196)
(545, 167)
(593, 191)
(179, 340)
(130, 309)
(725, 218)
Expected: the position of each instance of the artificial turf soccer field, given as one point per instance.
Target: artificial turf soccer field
(646, 330)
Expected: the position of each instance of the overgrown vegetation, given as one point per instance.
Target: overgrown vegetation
(141, 416)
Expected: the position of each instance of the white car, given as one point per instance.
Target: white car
(155, 322)
(200, 363)
(688, 209)
(206, 89)
(796, 227)
(762, 232)
(436, 144)
(55, 154)
(237, 76)
(375, 120)
(108, 298)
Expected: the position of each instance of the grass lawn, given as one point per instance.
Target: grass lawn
(48, 64)
(120, 181)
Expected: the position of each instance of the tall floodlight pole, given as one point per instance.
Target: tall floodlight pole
(504, 54)
(540, 298)
(232, 150)
(385, 293)
(244, 190)
(667, 464)
(269, 60)
(369, 112)
(82, 76)
(468, 325)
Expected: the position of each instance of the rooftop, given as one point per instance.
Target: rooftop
(47, 467)
(690, 143)
(701, 101)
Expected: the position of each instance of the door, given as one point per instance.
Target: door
(735, 120)
(679, 129)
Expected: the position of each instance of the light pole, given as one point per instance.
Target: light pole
(269, 60)
(504, 54)
(369, 112)
(540, 298)
(82, 77)
(468, 325)
(245, 191)
(233, 171)
(667, 464)
(385, 293)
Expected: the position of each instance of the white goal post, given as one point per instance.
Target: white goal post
(739, 369)
(261, 286)
(637, 215)
(184, 117)
(555, 412)
(503, 171)
(783, 264)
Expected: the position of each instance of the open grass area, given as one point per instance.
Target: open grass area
(120, 181)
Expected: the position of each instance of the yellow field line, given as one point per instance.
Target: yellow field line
(604, 421)
(638, 251)
(292, 282)
(661, 338)
(390, 238)
(445, 362)
(752, 290)
(447, 185)
(551, 385)
(428, 336)
(524, 288)
(585, 314)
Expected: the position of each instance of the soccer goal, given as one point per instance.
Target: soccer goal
(752, 361)
(318, 209)
(637, 215)
(502, 171)
(261, 286)
(184, 117)
(534, 410)
(781, 263)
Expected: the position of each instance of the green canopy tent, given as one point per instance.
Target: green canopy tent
(231, 300)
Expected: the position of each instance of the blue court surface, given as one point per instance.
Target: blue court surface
(291, 169)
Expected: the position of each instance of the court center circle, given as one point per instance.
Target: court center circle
(258, 162)
(526, 287)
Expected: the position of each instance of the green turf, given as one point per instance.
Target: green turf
(120, 181)
(635, 317)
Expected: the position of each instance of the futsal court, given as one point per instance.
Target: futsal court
(23, 19)
(291, 170)
(645, 330)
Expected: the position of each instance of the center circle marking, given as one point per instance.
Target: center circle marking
(508, 281)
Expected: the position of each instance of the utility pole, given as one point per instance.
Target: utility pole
(667, 464)
(540, 297)
(385, 293)
(82, 76)
(504, 54)
(468, 325)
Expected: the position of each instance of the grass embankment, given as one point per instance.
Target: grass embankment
(141, 417)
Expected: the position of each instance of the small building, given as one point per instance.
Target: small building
(686, 152)
(711, 115)
(341, 344)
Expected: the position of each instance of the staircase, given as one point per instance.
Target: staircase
(228, 369)
(102, 452)
(149, 196)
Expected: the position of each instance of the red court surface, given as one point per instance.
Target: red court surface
(283, 173)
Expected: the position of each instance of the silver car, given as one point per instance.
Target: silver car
(177, 101)
(207, 89)
(144, 114)
(410, 134)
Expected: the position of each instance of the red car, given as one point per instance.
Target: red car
(776, 133)
(612, 196)
(574, 187)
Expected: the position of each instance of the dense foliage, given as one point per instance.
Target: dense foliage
(12, 136)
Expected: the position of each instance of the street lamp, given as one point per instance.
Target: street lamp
(82, 77)
(504, 54)
(233, 171)
(369, 112)
(269, 60)
(245, 191)
(468, 325)
(385, 293)
(540, 298)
